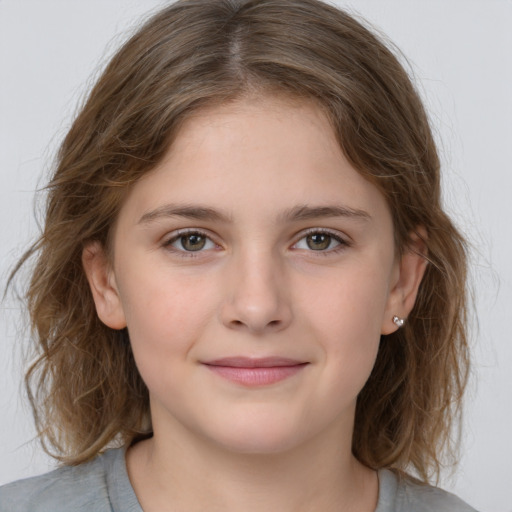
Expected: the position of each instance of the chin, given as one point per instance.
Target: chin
(260, 446)
(259, 437)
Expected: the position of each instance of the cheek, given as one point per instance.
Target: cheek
(346, 318)
(165, 316)
(349, 304)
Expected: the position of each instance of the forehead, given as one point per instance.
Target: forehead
(267, 124)
(256, 154)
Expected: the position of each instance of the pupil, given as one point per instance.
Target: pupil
(318, 242)
(193, 242)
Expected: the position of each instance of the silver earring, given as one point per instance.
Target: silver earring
(399, 322)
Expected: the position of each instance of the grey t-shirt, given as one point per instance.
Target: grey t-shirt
(103, 486)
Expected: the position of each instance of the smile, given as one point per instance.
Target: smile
(255, 372)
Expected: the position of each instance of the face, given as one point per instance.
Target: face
(255, 270)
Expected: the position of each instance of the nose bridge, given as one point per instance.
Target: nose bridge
(257, 298)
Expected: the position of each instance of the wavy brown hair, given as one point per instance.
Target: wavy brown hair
(84, 386)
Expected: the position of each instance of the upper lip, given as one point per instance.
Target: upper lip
(254, 362)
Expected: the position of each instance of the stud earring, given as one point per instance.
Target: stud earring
(399, 322)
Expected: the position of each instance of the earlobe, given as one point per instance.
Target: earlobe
(103, 286)
(411, 269)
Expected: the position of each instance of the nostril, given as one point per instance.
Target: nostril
(239, 323)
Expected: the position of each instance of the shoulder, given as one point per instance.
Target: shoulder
(82, 487)
(405, 495)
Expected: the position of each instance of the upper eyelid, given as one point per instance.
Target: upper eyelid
(332, 232)
(173, 235)
(319, 230)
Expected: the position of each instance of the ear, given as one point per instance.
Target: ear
(103, 286)
(406, 281)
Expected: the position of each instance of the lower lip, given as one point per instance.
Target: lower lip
(261, 376)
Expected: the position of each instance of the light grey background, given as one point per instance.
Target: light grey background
(461, 52)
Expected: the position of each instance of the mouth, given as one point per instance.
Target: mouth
(255, 372)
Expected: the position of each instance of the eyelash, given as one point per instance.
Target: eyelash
(183, 233)
(342, 243)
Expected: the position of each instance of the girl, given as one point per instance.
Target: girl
(247, 295)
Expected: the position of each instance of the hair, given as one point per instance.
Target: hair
(84, 387)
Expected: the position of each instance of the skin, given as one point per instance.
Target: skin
(259, 287)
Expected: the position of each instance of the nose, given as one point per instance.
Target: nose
(257, 298)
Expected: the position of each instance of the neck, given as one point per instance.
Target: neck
(194, 474)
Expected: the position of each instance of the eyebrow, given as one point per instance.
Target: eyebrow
(194, 212)
(306, 212)
(294, 214)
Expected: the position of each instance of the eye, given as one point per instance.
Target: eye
(192, 241)
(320, 241)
